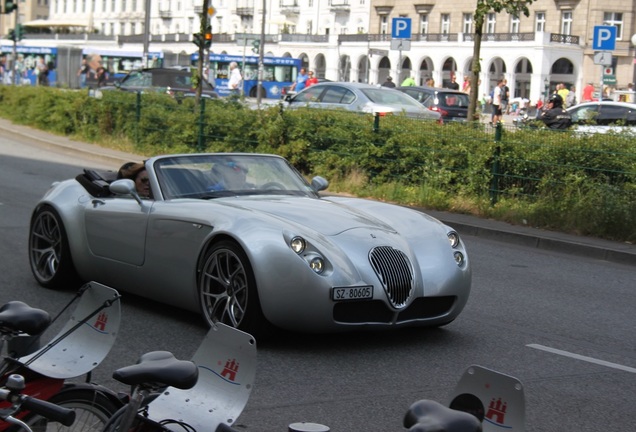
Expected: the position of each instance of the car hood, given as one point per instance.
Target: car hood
(324, 216)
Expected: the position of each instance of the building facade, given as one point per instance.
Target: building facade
(352, 40)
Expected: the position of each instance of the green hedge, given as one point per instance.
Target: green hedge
(555, 180)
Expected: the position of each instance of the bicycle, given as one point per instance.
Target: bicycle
(12, 393)
(81, 345)
(207, 393)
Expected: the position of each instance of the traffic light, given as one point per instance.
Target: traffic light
(19, 32)
(11, 35)
(10, 6)
(256, 46)
(207, 37)
(197, 37)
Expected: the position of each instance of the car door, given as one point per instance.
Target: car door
(116, 229)
(337, 97)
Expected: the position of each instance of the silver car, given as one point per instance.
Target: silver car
(245, 240)
(604, 116)
(363, 98)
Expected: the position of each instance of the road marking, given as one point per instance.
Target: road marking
(584, 358)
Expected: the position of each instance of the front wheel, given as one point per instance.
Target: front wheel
(227, 289)
(92, 410)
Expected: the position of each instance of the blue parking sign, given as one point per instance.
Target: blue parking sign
(604, 38)
(401, 28)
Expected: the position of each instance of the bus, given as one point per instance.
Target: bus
(23, 70)
(118, 63)
(279, 72)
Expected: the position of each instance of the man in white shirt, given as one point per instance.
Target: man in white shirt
(236, 81)
(496, 103)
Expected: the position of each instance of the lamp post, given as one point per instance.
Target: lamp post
(546, 87)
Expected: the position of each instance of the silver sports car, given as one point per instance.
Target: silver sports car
(245, 240)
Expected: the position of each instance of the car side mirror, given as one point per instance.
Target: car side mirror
(319, 183)
(125, 187)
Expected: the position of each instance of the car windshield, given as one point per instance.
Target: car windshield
(390, 97)
(453, 100)
(222, 175)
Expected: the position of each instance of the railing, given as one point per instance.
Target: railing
(564, 39)
(501, 37)
(166, 13)
(304, 38)
(245, 11)
(435, 37)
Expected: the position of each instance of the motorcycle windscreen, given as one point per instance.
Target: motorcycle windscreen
(85, 339)
(227, 370)
(496, 399)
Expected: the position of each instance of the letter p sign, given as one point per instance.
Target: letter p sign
(604, 38)
(401, 28)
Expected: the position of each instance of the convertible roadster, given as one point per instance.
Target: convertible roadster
(245, 240)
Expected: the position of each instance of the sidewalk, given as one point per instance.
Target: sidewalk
(616, 252)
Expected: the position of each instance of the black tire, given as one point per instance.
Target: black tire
(49, 252)
(227, 289)
(92, 409)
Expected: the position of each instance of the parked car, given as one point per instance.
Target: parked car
(359, 98)
(244, 239)
(176, 82)
(451, 104)
(604, 116)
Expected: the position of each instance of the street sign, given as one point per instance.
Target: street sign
(603, 58)
(211, 11)
(604, 38)
(401, 44)
(608, 71)
(379, 52)
(401, 28)
(608, 76)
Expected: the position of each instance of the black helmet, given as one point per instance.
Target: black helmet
(557, 100)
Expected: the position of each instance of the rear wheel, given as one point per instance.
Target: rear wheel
(227, 288)
(49, 252)
(92, 411)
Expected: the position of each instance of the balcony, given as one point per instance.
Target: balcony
(289, 7)
(198, 9)
(245, 11)
(501, 37)
(564, 39)
(339, 6)
(304, 38)
(435, 37)
(166, 13)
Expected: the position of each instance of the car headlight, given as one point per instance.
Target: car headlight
(459, 258)
(317, 264)
(297, 244)
(453, 238)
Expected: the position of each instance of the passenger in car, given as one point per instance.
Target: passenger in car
(228, 175)
(136, 172)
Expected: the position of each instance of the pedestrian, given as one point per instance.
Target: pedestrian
(563, 91)
(301, 81)
(83, 72)
(629, 97)
(408, 82)
(388, 83)
(311, 79)
(430, 82)
(235, 83)
(505, 98)
(42, 71)
(101, 76)
(453, 85)
(588, 93)
(496, 103)
(570, 99)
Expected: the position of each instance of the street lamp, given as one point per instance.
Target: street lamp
(546, 87)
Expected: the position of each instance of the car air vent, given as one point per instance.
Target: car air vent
(394, 271)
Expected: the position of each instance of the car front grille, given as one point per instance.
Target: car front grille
(394, 271)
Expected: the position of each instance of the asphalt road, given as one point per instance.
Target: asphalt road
(561, 323)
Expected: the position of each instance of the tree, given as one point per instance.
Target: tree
(512, 7)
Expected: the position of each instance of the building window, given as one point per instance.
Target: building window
(423, 23)
(134, 5)
(467, 27)
(311, 3)
(614, 19)
(384, 24)
(445, 23)
(491, 20)
(566, 22)
(112, 29)
(514, 24)
(539, 21)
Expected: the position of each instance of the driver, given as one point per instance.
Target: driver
(555, 116)
(137, 173)
(228, 175)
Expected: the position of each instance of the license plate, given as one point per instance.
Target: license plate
(352, 293)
